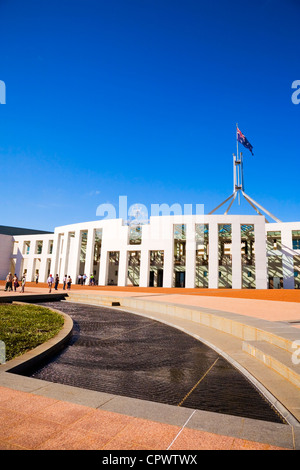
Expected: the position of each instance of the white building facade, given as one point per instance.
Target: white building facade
(204, 251)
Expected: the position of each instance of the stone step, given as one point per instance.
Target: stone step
(98, 300)
(283, 362)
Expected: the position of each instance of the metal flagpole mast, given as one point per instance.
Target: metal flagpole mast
(237, 141)
(238, 186)
(237, 161)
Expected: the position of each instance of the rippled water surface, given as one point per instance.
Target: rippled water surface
(125, 354)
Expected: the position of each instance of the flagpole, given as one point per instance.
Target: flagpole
(237, 142)
(238, 180)
(237, 159)
(234, 164)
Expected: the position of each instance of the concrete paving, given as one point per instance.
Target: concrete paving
(35, 414)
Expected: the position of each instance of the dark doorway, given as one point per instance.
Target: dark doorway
(179, 279)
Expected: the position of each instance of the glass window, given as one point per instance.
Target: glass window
(39, 247)
(179, 255)
(133, 274)
(274, 240)
(26, 248)
(50, 247)
(297, 271)
(296, 239)
(135, 235)
(156, 268)
(296, 244)
(248, 256)
(202, 238)
(225, 257)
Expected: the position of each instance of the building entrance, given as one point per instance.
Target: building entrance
(156, 278)
(156, 273)
(275, 282)
(180, 279)
(113, 268)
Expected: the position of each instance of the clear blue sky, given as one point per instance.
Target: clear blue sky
(140, 98)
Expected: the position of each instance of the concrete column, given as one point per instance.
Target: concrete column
(236, 255)
(76, 257)
(213, 260)
(168, 266)
(190, 264)
(6, 250)
(64, 260)
(144, 268)
(168, 238)
(19, 260)
(43, 266)
(123, 267)
(261, 262)
(88, 268)
(31, 261)
(30, 269)
(55, 253)
(287, 258)
(103, 271)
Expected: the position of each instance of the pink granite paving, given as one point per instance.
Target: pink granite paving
(264, 309)
(30, 422)
(272, 310)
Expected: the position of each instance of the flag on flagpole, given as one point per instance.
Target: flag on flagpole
(243, 140)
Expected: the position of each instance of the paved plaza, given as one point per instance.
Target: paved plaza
(36, 414)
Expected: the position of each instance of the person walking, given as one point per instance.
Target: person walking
(50, 281)
(69, 283)
(23, 282)
(56, 282)
(65, 282)
(15, 282)
(8, 285)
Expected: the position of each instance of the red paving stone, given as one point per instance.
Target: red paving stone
(29, 421)
(286, 295)
(272, 305)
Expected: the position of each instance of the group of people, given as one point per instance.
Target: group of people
(82, 278)
(67, 281)
(12, 282)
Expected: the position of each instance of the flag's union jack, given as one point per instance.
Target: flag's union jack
(243, 140)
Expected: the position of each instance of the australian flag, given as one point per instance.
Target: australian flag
(242, 139)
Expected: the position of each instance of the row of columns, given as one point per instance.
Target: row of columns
(44, 259)
(70, 260)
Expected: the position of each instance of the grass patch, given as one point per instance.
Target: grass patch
(24, 327)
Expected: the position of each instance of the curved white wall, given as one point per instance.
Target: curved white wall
(157, 235)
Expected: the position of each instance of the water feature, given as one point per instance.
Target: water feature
(126, 354)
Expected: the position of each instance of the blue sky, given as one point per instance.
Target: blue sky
(140, 98)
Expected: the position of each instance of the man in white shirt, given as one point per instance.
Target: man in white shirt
(50, 281)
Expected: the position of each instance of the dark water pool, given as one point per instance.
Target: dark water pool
(125, 354)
